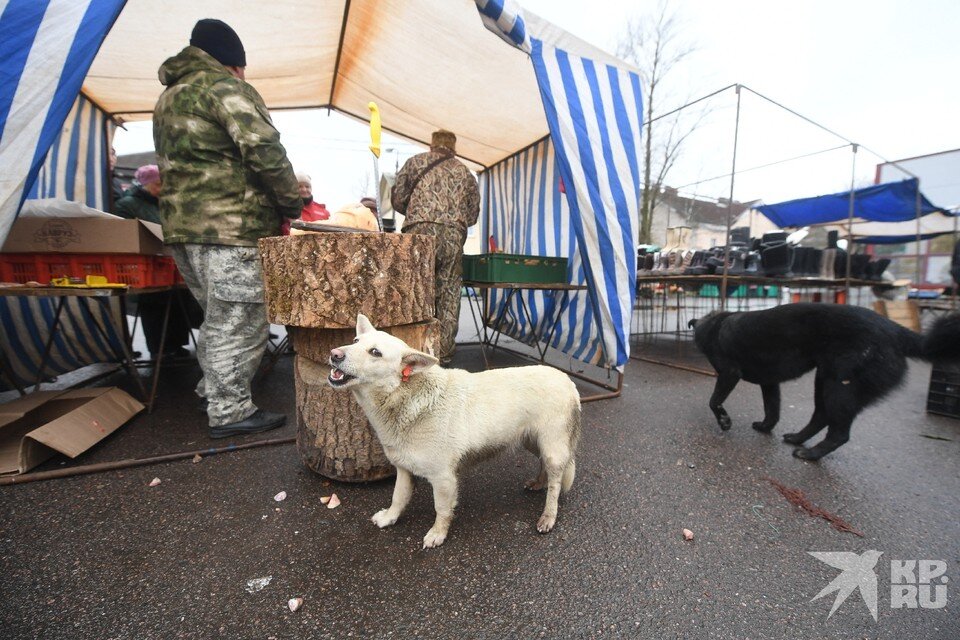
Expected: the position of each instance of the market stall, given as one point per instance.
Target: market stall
(551, 123)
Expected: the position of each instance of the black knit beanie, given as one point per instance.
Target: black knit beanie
(220, 41)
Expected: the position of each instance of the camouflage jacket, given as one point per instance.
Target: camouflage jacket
(226, 177)
(447, 194)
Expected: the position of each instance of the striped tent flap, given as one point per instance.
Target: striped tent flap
(505, 18)
(47, 47)
(595, 113)
(76, 165)
(87, 334)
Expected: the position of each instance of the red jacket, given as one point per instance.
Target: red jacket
(313, 212)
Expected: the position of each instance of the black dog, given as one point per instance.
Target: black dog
(859, 356)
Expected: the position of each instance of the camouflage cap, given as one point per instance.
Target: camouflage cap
(443, 139)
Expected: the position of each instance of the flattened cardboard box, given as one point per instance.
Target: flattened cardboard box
(84, 235)
(37, 426)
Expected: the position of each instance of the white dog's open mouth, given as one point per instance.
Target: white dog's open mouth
(338, 378)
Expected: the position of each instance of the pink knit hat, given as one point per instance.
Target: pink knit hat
(147, 174)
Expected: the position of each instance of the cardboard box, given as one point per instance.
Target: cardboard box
(37, 426)
(84, 235)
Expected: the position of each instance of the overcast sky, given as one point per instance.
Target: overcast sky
(882, 73)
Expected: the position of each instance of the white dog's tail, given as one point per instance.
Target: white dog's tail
(568, 475)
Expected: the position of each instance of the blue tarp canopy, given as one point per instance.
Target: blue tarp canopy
(890, 202)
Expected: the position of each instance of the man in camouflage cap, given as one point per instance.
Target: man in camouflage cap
(226, 183)
(439, 197)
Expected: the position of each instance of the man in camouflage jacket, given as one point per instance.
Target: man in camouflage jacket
(439, 197)
(226, 183)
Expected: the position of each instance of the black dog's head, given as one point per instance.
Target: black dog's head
(705, 329)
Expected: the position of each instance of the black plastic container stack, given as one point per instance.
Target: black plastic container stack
(944, 394)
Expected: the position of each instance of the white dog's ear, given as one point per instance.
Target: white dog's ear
(363, 325)
(418, 361)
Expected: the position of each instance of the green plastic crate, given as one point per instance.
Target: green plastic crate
(512, 267)
(709, 291)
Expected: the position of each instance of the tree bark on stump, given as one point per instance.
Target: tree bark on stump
(322, 280)
(316, 284)
(334, 437)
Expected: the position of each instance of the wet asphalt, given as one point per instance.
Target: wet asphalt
(107, 556)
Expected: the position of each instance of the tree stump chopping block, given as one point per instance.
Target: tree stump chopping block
(322, 280)
(316, 284)
(334, 437)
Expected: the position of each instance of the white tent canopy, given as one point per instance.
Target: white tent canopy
(570, 112)
(426, 63)
(931, 225)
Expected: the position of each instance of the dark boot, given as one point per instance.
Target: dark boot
(698, 266)
(738, 262)
(773, 238)
(260, 421)
(800, 262)
(814, 256)
(840, 264)
(858, 266)
(832, 237)
(777, 260)
(875, 268)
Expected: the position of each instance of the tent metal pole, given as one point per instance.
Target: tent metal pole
(956, 287)
(853, 176)
(733, 175)
(918, 275)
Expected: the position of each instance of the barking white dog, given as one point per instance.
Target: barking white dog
(432, 422)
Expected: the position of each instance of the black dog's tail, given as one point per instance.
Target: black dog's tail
(942, 342)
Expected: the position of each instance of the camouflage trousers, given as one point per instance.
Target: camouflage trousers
(228, 284)
(448, 280)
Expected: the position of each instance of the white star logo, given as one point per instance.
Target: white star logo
(857, 572)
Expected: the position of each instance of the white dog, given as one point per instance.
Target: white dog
(432, 421)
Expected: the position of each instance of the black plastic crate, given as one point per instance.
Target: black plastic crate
(943, 396)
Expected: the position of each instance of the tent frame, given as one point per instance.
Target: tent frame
(854, 146)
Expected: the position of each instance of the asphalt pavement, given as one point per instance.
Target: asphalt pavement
(108, 556)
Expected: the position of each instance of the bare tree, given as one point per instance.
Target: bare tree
(364, 185)
(654, 44)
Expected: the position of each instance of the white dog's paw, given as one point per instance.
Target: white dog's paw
(546, 522)
(383, 519)
(434, 538)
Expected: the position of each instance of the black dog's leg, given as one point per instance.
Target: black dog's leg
(817, 421)
(725, 384)
(771, 408)
(841, 407)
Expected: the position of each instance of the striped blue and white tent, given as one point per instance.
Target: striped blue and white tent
(550, 123)
(76, 164)
(594, 111)
(46, 48)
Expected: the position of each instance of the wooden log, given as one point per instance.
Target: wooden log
(322, 280)
(333, 435)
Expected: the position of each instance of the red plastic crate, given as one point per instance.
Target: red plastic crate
(129, 269)
(164, 271)
(19, 268)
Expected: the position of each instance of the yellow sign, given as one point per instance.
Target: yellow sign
(374, 128)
